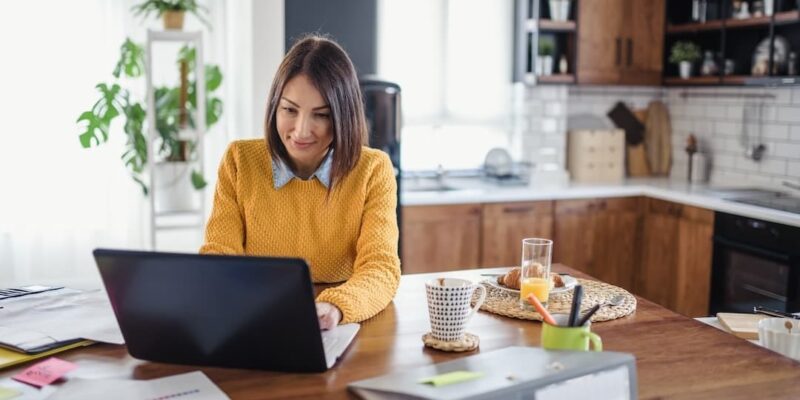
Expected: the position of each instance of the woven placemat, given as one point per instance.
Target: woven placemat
(502, 302)
(469, 343)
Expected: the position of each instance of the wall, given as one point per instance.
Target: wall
(722, 120)
(718, 117)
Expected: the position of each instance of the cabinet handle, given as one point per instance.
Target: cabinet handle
(630, 51)
(618, 52)
(510, 210)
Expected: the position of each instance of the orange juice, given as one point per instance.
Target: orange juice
(540, 287)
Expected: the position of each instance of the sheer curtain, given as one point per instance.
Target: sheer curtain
(59, 200)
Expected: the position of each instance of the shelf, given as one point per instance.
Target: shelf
(732, 23)
(772, 80)
(556, 78)
(547, 25)
(736, 79)
(695, 27)
(693, 81)
(787, 17)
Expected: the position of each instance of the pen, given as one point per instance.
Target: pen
(773, 313)
(577, 297)
(588, 315)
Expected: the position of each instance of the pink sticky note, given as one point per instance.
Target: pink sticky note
(45, 372)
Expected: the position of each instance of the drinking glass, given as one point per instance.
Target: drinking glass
(535, 271)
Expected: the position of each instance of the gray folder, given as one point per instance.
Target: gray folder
(515, 373)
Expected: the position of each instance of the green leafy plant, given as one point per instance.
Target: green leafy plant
(159, 7)
(546, 47)
(172, 114)
(684, 51)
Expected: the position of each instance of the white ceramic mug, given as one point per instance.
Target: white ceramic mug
(449, 306)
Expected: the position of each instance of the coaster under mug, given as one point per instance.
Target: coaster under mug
(468, 343)
(449, 306)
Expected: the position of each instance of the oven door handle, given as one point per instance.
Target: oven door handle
(752, 249)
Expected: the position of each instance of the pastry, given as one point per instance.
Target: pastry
(511, 279)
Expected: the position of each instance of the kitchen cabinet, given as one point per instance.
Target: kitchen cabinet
(620, 42)
(675, 268)
(599, 237)
(441, 238)
(506, 224)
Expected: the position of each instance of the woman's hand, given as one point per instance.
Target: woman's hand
(329, 315)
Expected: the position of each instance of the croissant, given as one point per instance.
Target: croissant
(510, 279)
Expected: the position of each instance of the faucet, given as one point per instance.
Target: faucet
(440, 173)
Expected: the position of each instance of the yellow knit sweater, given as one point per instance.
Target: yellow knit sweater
(350, 236)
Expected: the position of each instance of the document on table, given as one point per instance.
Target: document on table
(29, 323)
(189, 386)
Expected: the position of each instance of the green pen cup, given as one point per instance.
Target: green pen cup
(564, 337)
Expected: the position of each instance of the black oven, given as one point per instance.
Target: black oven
(755, 263)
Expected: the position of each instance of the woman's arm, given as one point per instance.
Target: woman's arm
(225, 228)
(376, 270)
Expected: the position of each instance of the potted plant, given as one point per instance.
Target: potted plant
(684, 54)
(546, 49)
(172, 11)
(175, 106)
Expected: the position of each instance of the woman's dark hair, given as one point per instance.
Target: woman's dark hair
(330, 70)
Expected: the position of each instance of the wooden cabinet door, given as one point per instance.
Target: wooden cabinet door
(643, 47)
(441, 238)
(599, 237)
(600, 41)
(656, 276)
(617, 224)
(695, 249)
(675, 268)
(506, 224)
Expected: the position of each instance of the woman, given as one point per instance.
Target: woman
(310, 190)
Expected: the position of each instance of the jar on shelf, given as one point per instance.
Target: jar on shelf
(709, 66)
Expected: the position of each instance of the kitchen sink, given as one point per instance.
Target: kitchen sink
(428, 188)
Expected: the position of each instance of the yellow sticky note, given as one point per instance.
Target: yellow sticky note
(6, 393)
(451, 378)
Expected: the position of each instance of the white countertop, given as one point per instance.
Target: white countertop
(474, 190)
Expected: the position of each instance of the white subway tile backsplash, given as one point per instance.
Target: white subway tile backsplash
(783, 95)
(773, 167)
(775, 131)
(794, 170)
(703, 127)
(716, 112)
(734, 111)
(789, 114)
(787, 150)
(796, 96)
(727, 128)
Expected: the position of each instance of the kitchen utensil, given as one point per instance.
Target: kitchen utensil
(774, 313)
(744, 326)
(657, 138)
(636, 160)
(624, 118)
(615, 301)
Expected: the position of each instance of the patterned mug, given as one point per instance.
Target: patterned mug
(449, 306)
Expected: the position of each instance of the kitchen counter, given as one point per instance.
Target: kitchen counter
(475, 190)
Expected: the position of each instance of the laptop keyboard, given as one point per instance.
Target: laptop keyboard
(24, 291)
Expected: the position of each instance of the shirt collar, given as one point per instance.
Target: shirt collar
(282, 174)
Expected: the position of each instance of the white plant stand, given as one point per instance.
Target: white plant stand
(189, 219)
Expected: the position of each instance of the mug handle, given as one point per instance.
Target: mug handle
(594, 339)
(477, 303)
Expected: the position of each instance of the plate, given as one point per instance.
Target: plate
(569, 283)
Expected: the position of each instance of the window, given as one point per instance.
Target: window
(452, 59)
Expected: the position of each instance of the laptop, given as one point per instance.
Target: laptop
(222, 311)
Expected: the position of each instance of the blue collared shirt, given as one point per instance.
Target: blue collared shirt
(282, 174)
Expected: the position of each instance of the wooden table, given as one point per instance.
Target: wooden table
(676, 357)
